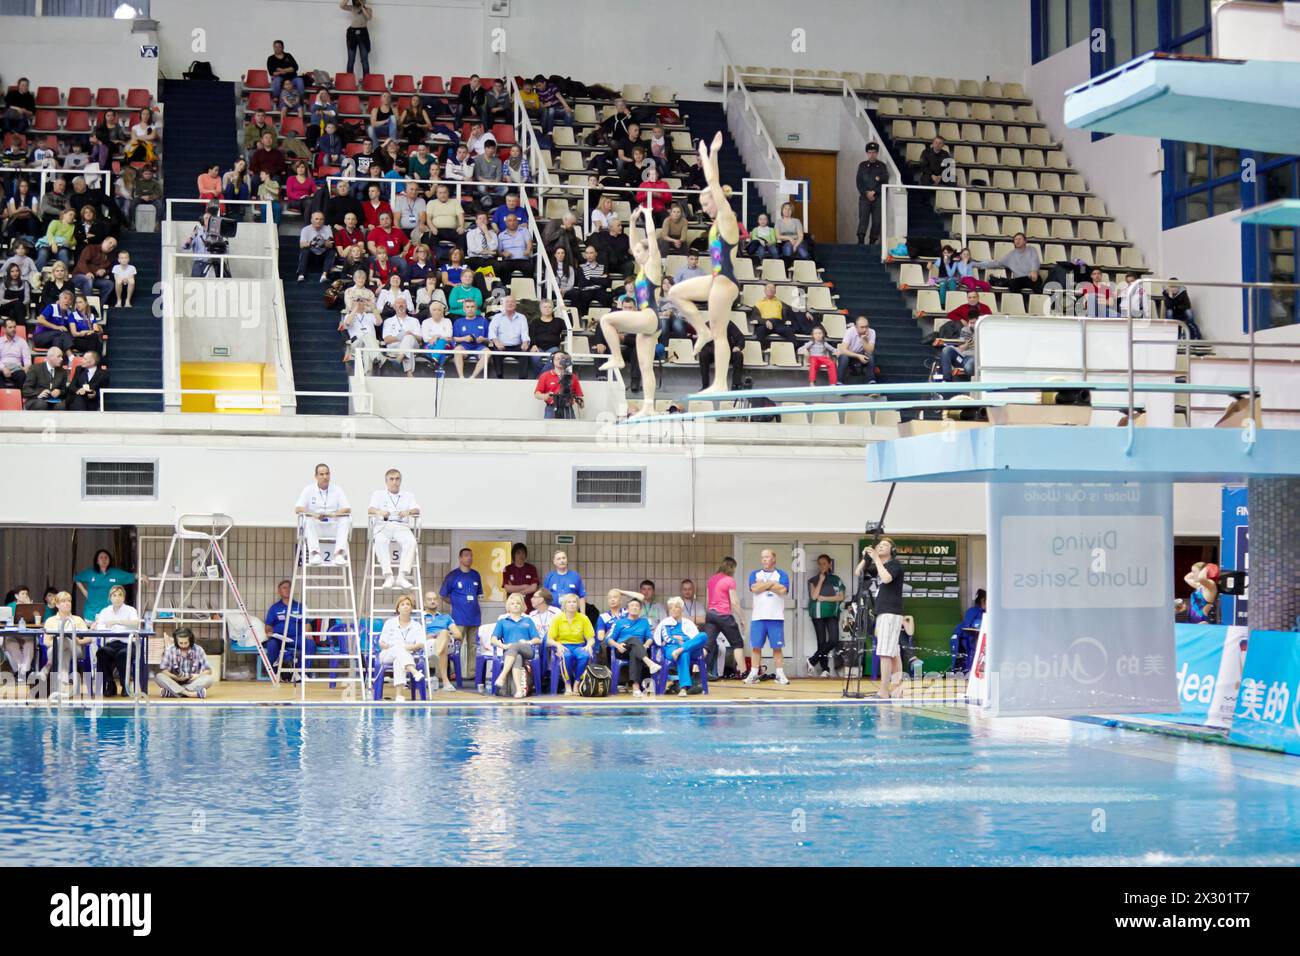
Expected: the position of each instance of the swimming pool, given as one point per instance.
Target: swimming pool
(814, 785)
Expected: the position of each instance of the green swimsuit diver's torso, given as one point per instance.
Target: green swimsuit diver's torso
(720, 254)
(645, 292)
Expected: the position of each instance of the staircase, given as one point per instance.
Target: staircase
(134, 354)
(314, 342)
(922, 220)
(201, 130)
(704, 119)
(865, 287)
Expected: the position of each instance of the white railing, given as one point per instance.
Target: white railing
(749, 132)
(891, 231)
(47, 174)
(525, 135)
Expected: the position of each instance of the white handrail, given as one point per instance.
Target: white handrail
(884, 212)
(53, 172)
(731, 74)
(525, 134)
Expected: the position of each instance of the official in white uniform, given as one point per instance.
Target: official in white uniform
(328, 515)
(401, 336)
(401, 637)
(391, 511)
(111, 656)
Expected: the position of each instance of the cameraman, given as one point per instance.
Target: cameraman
(889, 608)
(559, 388)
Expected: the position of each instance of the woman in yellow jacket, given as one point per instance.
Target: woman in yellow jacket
(66, 640)
(574, 639)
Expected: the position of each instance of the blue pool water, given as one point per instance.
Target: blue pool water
(703, 785)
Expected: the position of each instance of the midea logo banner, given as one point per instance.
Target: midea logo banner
(1081, 615)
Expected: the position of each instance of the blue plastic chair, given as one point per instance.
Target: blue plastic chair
(667, 668)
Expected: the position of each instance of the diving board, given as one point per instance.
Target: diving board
(1249, 104)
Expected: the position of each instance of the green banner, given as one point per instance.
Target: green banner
(931, 594)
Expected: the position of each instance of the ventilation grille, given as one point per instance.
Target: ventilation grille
(609, 488)
(119, 479)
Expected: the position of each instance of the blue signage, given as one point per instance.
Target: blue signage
(1234, 549)
(1268, 706)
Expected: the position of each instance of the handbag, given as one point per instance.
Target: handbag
(595, 681)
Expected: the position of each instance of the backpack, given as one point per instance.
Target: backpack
(595, 681)
(200, 70)
(510, 686)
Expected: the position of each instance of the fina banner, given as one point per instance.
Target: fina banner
(1080, 598)
(1210, 659)
(1268, 705)
(1234, 549)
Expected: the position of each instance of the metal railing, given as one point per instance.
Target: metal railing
(47, 174)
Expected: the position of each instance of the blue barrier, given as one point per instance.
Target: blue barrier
(1268, 707)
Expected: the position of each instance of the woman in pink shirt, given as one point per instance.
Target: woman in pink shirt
(210, 182)
(724, 616)
(299, 188)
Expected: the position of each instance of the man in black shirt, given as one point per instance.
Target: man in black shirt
(340, 204)
(283, 69)
(935, 165)
(20, 108)
(872, 177)
(471, 100)
(889, 609)
(735, 342)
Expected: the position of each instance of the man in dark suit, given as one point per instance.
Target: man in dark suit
(47, 383)
(87, 381)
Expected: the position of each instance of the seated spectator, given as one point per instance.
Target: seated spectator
(593, 283)
(147, 192)
(515, 250)
(360, 319)
(1096, 298)
(58, 240)
(19, 108)
(947, 271)
(562, 233)
(514, 639)
(65, 639)
(386, 301)
(546, 335)
(661, 150)
(603, 215)
(508, 332)
(482, 245)
(736, 371)
(629, 637)
(52, 323)
(673, 323)
(449, 276)
(111, 657)
(382, 269)
(402, 335)
(184, 670)
(415, 125)
(498, 106)
(420, 266)
(487, 169)
(510, 207)
(238, 183)
(572, 639)
(409, 208)
(460, 168)
(363, 165)
(515, 168)
(21, 211)
(564, 274)
(391, 240)
(857, 351)
(559, 388)
(471, 100)
(46, 387)
(283, 68)
(428, 295)
(674, 233)
(323, 113)
(553, 106)
(960, 356)
(1134, 300)
(383, 119)
(654, 192)
(633, 172)
(762, 240)
(402, 637)
(792, 242)
(820, 354)
(392, 163)
(465, 292)
(209, 182)
(268, 191)
(88, 381)
(85, 327)
(55, 200)
(680, 638)
(316, 245)
(329, 148)
(374, 207)
(469, 336)
(266, 158)
(689, 271)
(935, 166)
(255, 128)
(146, 139)
(339, 204)
(298, 189)
(446, 218)
(350, 243)
(775, 318)
(422, 165)
(436, 332)
(58, 282)
(1021, 263)
(616, 250)
(91, 229)
(971, 310)
(15, 355)
(1178, 306)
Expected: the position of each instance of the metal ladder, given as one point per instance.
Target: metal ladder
(327, 594)
(383, 610)
(210, 582)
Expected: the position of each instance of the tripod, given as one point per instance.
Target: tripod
(862, 611)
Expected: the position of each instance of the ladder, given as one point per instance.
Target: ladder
(327, 594)
(194, 595)
(379, 603)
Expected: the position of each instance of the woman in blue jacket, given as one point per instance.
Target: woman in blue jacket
(964, 638)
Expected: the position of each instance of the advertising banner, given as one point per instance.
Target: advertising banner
(1268, 706)
(1209, 666)
(1234, 550)
(1081, 598)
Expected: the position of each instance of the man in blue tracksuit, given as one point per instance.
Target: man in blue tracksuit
(283, 627)
(679, 638)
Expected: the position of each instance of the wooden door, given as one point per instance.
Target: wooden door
(819, 169)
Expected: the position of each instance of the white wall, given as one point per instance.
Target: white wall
(1209, 251)
(1123, 170)
(610, 41)
(72, 51)
(813, 120)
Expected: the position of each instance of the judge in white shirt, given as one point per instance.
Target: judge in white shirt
(401, 637)
(327, 513)
(436, 331)
(111, 656)
(401, 337)
(1135, 300)
(391, 511)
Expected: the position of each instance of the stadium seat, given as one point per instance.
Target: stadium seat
(403, 83)
(927, 302)
(349, 104)
(773, 270)
(805, 270)
(45, 121)
(79, 96)
(345, 82)
(431, 84)
(108, 98)
(255, 79)
(834, 324)
(260, 100)
(374, 83)
(292, 124)
(504, 133)
(47, 96)
(522, 287)
(662, 94)
(819, 299)
(744, 268)
(793, 418)
(77, 121)
(11, 400)
(585, 114)
(634, 92)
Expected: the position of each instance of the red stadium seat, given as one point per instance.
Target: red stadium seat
(47, 121)
(78, 121)
(403, 83)
(79, 96)
(431, 84)
(345, 82)
(349, 104)
(351, 149)
(108, 98)
(138, 99)
(457, 82)
(374, 83)
(260, 101)
(11, 400)
(48, 96)
(292, 124)
(21, 331)
(257, 80)
(504, 133)
(487, 81)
